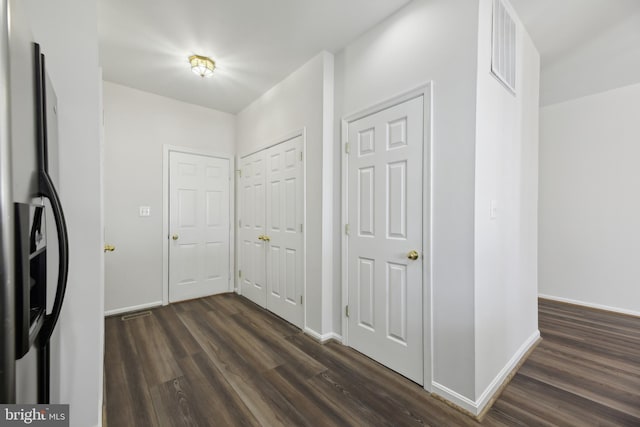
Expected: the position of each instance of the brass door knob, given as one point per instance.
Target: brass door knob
(109, 248)
(175, 237)
(266, 238)
(413, 255)
(261, 237)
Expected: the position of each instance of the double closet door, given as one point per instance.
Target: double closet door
(270, 255)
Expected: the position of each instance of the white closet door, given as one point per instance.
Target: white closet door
(284, 241)
(252, 226)
(199, 226)
(385, 216)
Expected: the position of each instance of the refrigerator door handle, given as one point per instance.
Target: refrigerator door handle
(48, 190)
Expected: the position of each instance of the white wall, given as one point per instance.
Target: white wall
(295, 103)
(137, 125)
(589, 199)
(506, 171)
(432, 41)
(67, 32)
(484, 147)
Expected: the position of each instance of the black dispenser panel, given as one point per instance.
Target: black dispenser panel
(31, 274)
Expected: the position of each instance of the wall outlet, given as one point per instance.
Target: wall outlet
(145, 211)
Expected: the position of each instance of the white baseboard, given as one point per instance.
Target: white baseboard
(497, 382)
(454, 397)
(322, 338)
(476, 407)
(334, 336)
(591, 305)
(132, 308)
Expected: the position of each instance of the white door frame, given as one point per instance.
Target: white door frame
(424, 91)
(302, 133)
(167, 149)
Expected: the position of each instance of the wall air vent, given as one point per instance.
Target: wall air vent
(503, 55)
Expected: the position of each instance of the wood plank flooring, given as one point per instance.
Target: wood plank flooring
(223, 361)
(586, 372)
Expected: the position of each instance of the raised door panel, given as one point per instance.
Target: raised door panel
(366, 293)
(366, 201)
(397, 200)
(396, 303)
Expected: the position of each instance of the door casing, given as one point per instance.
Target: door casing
(424, 91)
(166, 150)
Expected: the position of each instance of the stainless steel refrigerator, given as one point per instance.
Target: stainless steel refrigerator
(33, 232)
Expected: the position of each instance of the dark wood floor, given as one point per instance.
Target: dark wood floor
(222, 361)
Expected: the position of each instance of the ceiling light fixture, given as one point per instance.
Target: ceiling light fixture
(201, 65)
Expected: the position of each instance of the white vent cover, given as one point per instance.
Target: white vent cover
(503, 55)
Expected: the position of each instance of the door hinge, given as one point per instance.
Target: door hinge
(346, 229)
(240, 274)
(300, 299)
(239, 223)
(239, 172)
(346, 310)
(301, 228)
(301, 156)
(347, 148)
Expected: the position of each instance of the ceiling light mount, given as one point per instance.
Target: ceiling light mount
(202, 65)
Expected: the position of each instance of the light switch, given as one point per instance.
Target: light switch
(494, 209)
(145, 211)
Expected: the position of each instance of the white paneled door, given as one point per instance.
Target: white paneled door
(284, 230)
(385, 187)
(251, 217)
(271, 229)
(198, 226)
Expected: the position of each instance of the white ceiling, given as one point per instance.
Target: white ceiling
(586, 46)
(256, 43)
